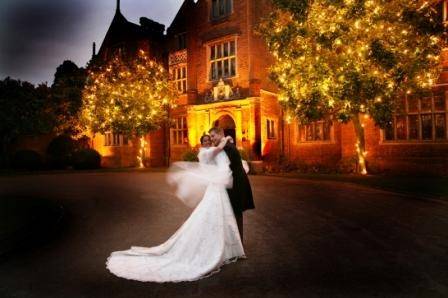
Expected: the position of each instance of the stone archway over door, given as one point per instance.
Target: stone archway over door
(228, 125)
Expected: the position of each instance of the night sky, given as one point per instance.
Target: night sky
(36, 36)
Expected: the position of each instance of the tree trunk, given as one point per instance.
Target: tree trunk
(167, 138)
(360, 145)
(142, 153)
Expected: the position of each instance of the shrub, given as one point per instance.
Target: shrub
(190, 155)
(83, 142)
(244, 155)
(27, 160)
(60, 151)
(347, 165)
(287, 165)
(86, 159)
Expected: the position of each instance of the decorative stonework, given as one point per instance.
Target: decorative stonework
(222, 91)
(178, 57)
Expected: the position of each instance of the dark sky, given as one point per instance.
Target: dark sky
(38, 35)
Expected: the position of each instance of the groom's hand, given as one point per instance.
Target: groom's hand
(223, 140)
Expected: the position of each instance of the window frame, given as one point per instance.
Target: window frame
(115, 140)
(181, 41)
(118, 50)
(181, 131)
(330, 133)
(183, 80)
(226, 14)
(209, 62)
(270, 129)
(408, 114)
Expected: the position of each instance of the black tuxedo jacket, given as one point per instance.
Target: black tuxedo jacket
(241, 193)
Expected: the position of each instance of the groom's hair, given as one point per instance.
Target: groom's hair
(216, 130)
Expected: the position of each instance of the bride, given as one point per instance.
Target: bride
(208, 239)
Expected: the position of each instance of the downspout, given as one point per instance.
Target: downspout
(282, 140)
(168, 140)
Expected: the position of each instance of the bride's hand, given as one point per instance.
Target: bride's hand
(229, 139)
(220, 146)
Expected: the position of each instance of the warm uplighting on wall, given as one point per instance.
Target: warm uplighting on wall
(201, 120)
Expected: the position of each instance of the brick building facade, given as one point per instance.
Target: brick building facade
(220, 67)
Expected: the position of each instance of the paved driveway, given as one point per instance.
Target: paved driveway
(305, 239)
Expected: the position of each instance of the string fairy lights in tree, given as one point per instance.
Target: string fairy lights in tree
(129, 97)
(345, 58)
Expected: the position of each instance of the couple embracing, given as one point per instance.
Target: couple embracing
(218, 190)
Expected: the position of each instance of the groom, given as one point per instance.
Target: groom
(241, 193)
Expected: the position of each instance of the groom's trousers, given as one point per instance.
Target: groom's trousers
(239, 222)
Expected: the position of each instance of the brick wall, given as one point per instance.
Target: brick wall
(158, 155)
(201, 31)
(176, 152)
(270, 110)
(116, 156)
(394, 157)
(253, 61)
(325, 154)
(260, 57)
(35, 143)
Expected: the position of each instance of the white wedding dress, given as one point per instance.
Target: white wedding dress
(208, 239)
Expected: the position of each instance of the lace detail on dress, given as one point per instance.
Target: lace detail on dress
(204, 243)
(205, 156)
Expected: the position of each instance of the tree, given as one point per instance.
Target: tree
(24, 110)
(128, 97)
(343, 58)
(67, 89)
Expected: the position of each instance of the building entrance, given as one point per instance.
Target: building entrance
(228, 125)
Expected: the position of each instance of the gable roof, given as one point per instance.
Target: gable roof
(123, 31)
(179, 23)
(120, 30)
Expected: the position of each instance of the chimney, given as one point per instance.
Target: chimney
(93, 50)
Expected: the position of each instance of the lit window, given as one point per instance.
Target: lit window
(113, 139)
(222, 60)
(319, 131)
(118, 50)
(179, 74)
(419, 119)
(221, 9)
(179, 133)
(270, 128)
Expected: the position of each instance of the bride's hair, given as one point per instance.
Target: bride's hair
(203, 137)
(217, 130)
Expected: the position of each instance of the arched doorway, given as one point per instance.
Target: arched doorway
(228, 125)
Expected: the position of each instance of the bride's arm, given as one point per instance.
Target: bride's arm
(221, 146)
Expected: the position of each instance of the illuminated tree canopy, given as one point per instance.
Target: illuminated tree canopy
(130, 97)
(346, 57)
